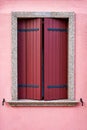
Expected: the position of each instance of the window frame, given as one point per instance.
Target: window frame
(71, 59)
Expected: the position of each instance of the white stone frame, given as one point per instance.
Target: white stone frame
(71, 55)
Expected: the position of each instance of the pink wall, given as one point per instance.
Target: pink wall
(43, 118)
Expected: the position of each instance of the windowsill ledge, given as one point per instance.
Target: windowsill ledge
(43, 103)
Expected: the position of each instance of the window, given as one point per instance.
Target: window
(45, 28)
(42, 58)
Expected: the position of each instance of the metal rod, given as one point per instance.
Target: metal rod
(81, 101)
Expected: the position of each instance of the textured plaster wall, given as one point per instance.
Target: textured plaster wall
(43, 118)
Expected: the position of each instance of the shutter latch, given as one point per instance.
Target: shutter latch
(3, 101)
(81, 101)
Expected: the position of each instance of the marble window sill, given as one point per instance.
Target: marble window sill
(43, 103)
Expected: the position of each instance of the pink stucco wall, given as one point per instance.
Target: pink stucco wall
(43, 118)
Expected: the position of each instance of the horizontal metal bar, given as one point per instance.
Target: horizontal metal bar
(22, 85)
(28, 85)
(57, 86)
(58, 29)
(28, 30)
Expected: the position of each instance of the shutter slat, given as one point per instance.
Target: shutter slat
(46, 52)
(39, 58)
(29, 60)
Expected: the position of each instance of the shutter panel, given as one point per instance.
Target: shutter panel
(34, 59)
(21, 59)
(55, 59)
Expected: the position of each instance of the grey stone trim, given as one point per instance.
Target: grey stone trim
(43, 14)
(71, 57)
(14, 58)
(43, 103)
(71, 46)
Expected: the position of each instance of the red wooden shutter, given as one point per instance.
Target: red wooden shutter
(55, 58)
(34, 58)
(21, 59)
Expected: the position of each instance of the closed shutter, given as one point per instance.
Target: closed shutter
(21, 59)
(29, 58)
(34, 58)
(55, 58)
